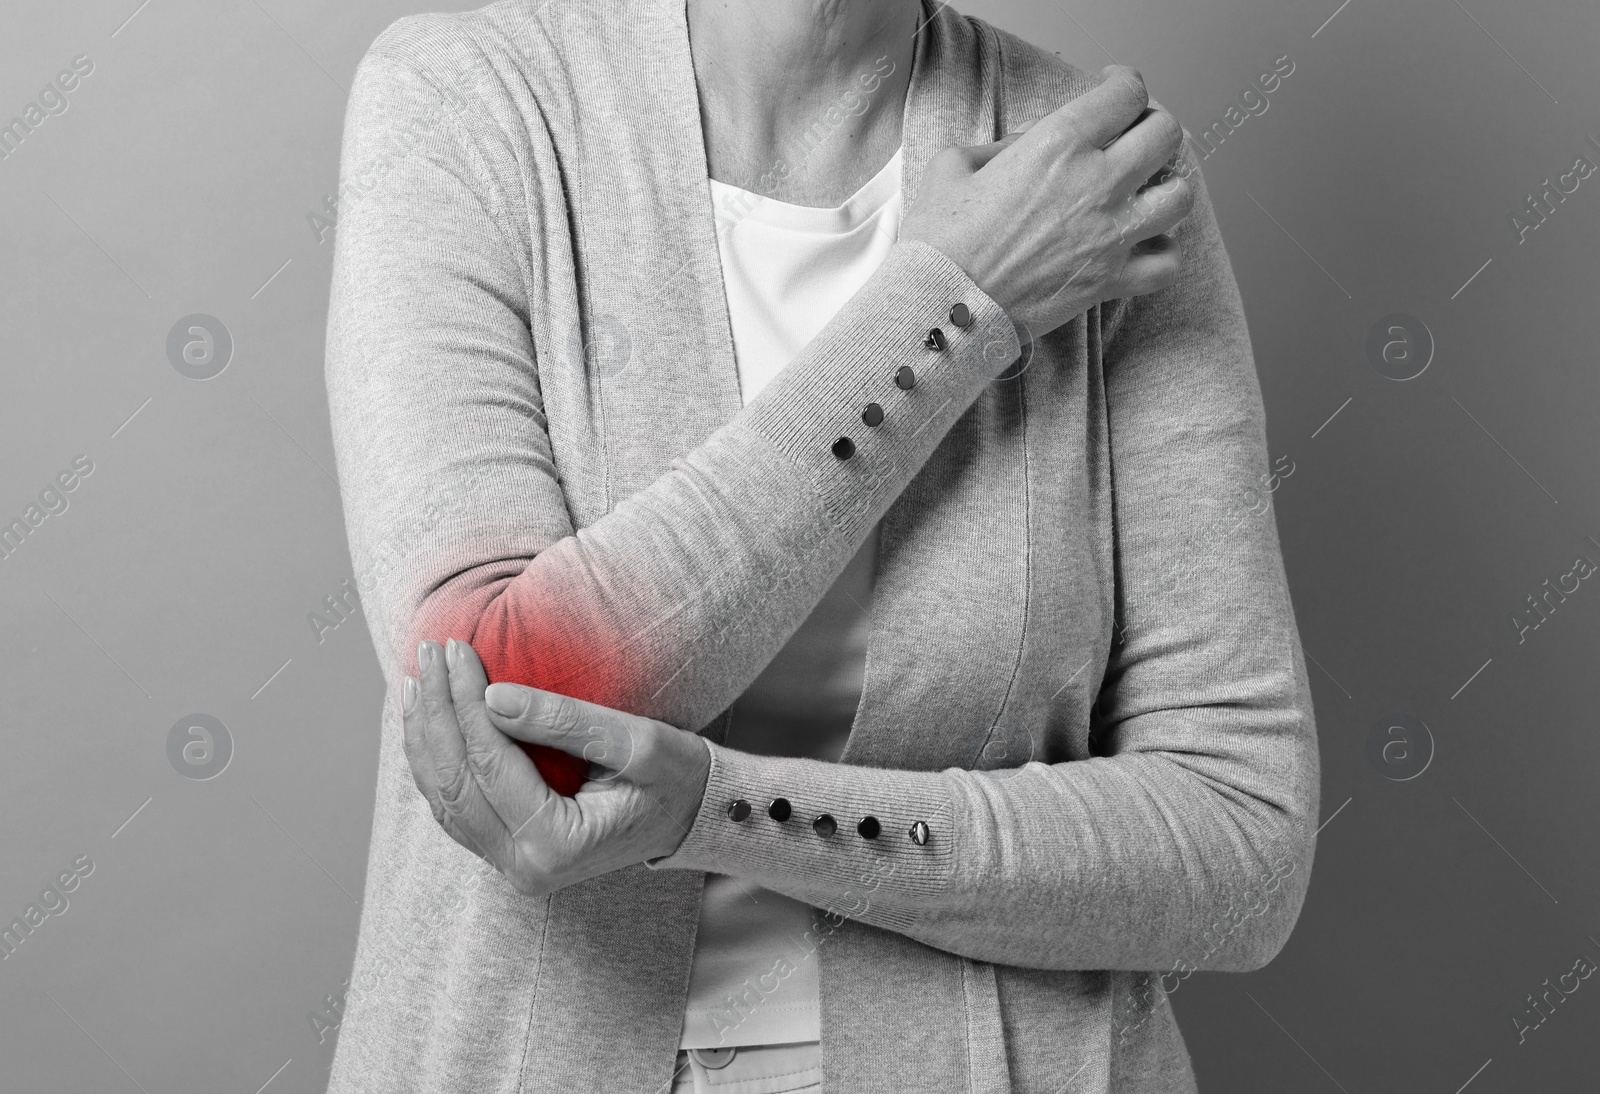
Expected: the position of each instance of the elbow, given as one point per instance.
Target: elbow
(1275, 861)
(1269, 941)
(525, 633)
(1265, 918)
(484, 615)
(487, 619)
(467, 608)
(1243, 919)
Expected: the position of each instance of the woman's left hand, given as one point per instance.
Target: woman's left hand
(645, 784)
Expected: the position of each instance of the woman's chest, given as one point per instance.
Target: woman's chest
(994, 583)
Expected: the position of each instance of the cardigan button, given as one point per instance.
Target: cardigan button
(779, 810)
(961, 315)
(873, 414)
(844, 448)
(904, 378)
(869, 828)
(825, 826)
(919, 833)
(935, 339)
(714, 1058)
(739, 809)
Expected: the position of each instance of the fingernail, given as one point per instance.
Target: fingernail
(408, 693)
(512, 702)
(452, 653)
(424, 654)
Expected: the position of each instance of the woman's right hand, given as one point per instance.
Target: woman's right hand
(1067, 212)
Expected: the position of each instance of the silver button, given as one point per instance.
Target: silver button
(714, 1058)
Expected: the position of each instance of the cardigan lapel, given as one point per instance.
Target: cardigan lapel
(648, 239)
(948, 560)
(933, 572)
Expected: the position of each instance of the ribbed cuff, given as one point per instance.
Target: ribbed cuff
(888, 880)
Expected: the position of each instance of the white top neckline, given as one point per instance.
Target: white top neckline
(854, 212)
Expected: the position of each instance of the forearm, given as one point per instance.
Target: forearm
(673, 600)
(1187, 840)
(1129, 862)
(672, 603)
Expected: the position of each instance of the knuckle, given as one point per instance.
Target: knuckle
(1169, 129)
(1069, 129)
(1111, 235)
(440, 817)
(430, 710)
(1185, 197)
(628, 747)
(529, 887)
(602, 750)
(560, 714)
(453, 789)
(952, 163)
(1181, 160)
(1170, 201)
(1132, 83)
(530, 876)
(485, 761)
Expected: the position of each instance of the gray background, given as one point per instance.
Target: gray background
(1420, 516)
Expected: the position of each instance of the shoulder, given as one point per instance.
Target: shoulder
(1032, 80)
(470, 81)
(425, 42)
(462, 52)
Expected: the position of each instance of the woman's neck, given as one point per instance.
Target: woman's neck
(801, 100)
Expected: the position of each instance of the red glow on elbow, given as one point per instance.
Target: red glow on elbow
(567, 672)
(517, 645)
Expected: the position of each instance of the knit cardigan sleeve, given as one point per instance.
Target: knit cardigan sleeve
(671, 603)
(1187, 842)
(459, 522)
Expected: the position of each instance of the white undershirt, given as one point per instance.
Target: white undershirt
(787, 270)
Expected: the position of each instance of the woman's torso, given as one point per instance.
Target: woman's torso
(991, 622)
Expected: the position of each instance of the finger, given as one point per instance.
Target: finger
(981, 154)
(964, 159)
(1153, 265)
(1100, 115)
(508, 779)
(1157, 209)
(978, 155)
(416, 744)
(611, 739)
(467, 816)
(1145, 149)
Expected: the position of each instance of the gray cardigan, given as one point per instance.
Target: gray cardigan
(1083, 673)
